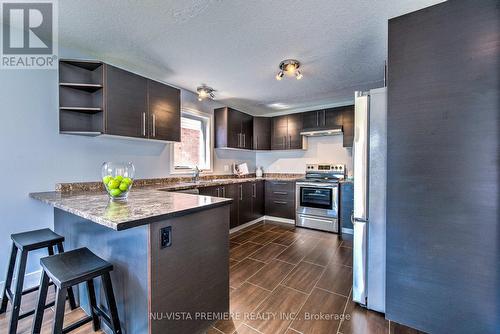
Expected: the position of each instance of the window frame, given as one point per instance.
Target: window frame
(210, 145)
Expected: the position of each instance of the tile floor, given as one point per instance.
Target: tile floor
(282, 280)
(293, 280)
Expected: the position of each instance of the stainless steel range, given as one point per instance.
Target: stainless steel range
(317, 197)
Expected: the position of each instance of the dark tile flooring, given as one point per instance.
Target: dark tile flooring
(293, 280)
(282, 280)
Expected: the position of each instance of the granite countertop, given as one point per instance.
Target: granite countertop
(145, 203)
(141, 206)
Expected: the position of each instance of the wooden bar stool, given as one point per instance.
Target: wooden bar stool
(24, 243)
(69, 269)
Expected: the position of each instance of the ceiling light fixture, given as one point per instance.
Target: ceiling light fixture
(289, 67)
(205, 92)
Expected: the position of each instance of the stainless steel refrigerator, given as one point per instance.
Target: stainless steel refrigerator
(370, 158)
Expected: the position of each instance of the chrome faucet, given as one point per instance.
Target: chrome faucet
(196, 174)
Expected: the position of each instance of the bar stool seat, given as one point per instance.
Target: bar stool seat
(24, 243)
(37, 239)
(69, 269)
(74, 267)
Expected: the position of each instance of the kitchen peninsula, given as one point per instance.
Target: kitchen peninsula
(170, 253)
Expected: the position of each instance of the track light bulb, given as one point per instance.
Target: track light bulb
(298, 75)
(280, 75)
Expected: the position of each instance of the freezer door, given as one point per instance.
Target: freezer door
(360, 215)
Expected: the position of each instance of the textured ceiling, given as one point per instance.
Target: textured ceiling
(235, 46)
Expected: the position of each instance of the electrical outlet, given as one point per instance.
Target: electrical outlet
(165, 237)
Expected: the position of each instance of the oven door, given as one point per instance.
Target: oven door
(318, 200)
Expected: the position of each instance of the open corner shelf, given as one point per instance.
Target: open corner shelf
(90, 65)
(88, 87)
(87, 110)
(81, 133)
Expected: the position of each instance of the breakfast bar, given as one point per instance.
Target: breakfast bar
(170, 253)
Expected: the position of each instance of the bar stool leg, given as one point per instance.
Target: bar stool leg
(71, 296)
(110, 296)
(59, 316)
(8, 280)
(40, 306)
(16, 305)
(93, 305)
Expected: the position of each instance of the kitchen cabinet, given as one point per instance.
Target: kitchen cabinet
(126, 103)
(285, 132)
(346, 199)
(258, 199)
(97, 98)
(226, 191)
(262, 133)
(248, 200)
(348, 126)
(233, 129)
(164, 112)
(245, 202)
(322, 119)
(280, 199)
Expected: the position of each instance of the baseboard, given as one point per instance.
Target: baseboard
(347, 230)
(237, 228)
(276, 219)
(280, 220)
(30, 280)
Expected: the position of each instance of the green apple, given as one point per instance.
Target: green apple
(115, 192)
(119, 178)
(128, 180)
(107, 178)
(124, 186)
(113, 184)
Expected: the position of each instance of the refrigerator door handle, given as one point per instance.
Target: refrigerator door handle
(359, 267)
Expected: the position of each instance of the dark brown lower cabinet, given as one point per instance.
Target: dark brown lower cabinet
(248, 200)
(280, 199)
(258, 199)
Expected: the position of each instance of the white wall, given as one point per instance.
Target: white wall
(320, 150)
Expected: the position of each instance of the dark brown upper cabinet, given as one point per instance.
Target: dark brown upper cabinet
(285, 132)
(262, 133)
(233, 129)
(348, 125)
(126, 103)
(97, 98)
(322, 119)
(164, 112)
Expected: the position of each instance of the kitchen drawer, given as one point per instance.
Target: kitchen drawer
(280, 190)
(280, 208)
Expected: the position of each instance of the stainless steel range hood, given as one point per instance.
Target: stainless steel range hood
(323, 132)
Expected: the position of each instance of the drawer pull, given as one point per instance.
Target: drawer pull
(280, 192)
(280, 202)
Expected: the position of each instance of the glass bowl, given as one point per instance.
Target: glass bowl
(118, 178)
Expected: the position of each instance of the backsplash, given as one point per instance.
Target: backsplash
(326, 149)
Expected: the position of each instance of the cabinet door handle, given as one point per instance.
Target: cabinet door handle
(290, 142)
(284, 142)
(144, 124)
(223, 191)
(218, 194)
(241, 193)
(244, 140)
(257, 143)
(154, 125)
(317, 118)
(280, 202)
(254, 190)
(324, 117)
(280, 192)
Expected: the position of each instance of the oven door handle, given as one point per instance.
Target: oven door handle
(314, 185)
